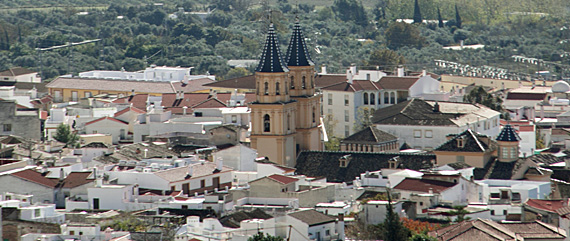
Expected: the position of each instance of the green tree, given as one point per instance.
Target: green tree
(479, 95)
(401, 34)
(460, 212)
(363, 118)
(237, 72)
(422, 237)
(417, 13)
(65, 135)
(384, 58)
(439, 19)
(393, 227)
(261, 237)
(457, 17)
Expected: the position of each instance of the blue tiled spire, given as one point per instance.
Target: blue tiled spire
(297, 54)
(271, 57)
(508, 134)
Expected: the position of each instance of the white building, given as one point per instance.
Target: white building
(426, 124)
(19, 74)
(153, 73)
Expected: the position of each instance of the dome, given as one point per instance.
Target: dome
(560, 87)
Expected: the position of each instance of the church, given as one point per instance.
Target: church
(285, 116)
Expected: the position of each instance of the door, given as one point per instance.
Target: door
(216, 182)
(186, 188)
(95, 203)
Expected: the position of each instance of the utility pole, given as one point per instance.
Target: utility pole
(67, 45)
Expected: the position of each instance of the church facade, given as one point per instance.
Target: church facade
(285, 116)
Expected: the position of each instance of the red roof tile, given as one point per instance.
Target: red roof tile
(210, 103)
(397, 83)
(76, 179)
(547, 205)
(36, 177)
(131, 108)
(245, 82)
(424, 185)
(138, 100)
(282, 179)
(106, 118)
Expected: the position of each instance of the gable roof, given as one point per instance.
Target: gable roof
(413, 112)
(397, 83)
(547, 205)
(424, 185)
(233, 220)
(312, 217)
(326, 163)
(106, 118)
(271, 61)
(137, 100)
(35, 177)
(297, 54)
(479, 229)
(370, 135)
(282, 179)
(130, 108)
(245, 82)
(16, 71)
(210, 103)
(76, 179)
(127, 86)
(471, 143)
(198, 170)
(508, 133)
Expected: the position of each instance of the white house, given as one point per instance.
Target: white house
(374, 211)
(239, 157)
(426, 124)
(312, 225)
(19, 74)
(108, 125)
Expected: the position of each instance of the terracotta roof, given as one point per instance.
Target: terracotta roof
(36, 177)
(160, 87)
(536, 230)
(526, 96)
(397, 83)
(210, 103)
(547, 205)
(312, 217)
(76, 179)
(130, 108)
(472, 142)
(40, 87)
(328, 80)
(245, 82)
(326, 163)
(424, 185)
(282, 179)
(341, 86)
(106, 118)
(198, 170)
(370, 135)
(137, 100)
(365, 85)
(479, 229)
(233, 220)
(16, 71)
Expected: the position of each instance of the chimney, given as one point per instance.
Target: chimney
(61, 174)
(461, 44)
(349, 76)
(190, 172)
(95, 172)
(145, 152)
(133, 92)
(98, 182)
(424, 72)
(184, 109)
(436, 107)
(219, 164)
(400, 71)
(182, 94)
(430, 190)
(324, 69)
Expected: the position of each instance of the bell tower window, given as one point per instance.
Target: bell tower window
(303, 83)
(266, 123)
(266, 88)
(313, 114)
(277, 91)
(292, 82)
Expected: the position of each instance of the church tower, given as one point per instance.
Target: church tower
(302, 89)
(273, 114)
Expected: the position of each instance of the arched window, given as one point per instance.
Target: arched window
(286, 89)
(312, 82)
(266, 123)
(266, 88)
(303, 83)
(277, 92)
(372, 99)
(365, 98)
(314, 115)
(386, 97)
(288, 121)
(292, 82)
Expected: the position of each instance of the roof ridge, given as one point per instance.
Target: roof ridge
(476, 139)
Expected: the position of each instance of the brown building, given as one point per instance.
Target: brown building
(284, 115)
(370, 139)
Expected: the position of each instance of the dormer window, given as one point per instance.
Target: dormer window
(460, 143)
(344, 160)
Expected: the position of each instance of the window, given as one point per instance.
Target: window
(303, 83)
(495, 195)
(330, 99)
(493, 212)
(516, 196)
(417, 133)
(198, 114)
(286, 89)
(266, 92)
(392, 98)
(172, 188)
(202, 183)
(7, 127)
(266, 123)
(346, 116)
(505, 152)
(234, 118)
(292, 83)
(365, 97)
(74, 95)
(71, 232)
(88, 94)
(184, 207)
(57, 95)
(328, 232)
(346, 131)
(460, 143)
(386, 98)
(314, 115)
(37, 212)
(289, 121)
(429, 134)
(345, 100)
(372, 99)
(421, 203)
(505, 212)
(514, 152)
(277, 91)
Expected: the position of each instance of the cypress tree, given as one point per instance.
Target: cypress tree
(417, 13)
(457, 17)
(439, 18)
